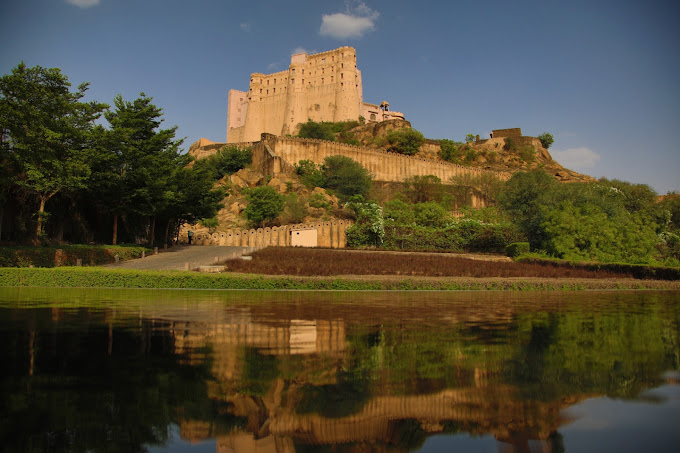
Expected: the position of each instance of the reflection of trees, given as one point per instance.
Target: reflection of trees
(102, 390)
(299, 377)
(510, 378)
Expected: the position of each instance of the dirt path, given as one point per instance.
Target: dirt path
(176, 257)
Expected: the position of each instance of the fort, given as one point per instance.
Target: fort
(327, 87)
(322, 87)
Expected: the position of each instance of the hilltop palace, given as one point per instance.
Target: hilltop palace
(322, 87)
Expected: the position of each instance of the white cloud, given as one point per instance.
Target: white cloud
(299, 50)
(245, 26)
(273, 66)
(83, 3)
(357, 20)
(576, 158)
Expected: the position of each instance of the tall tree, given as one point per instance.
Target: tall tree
(46, 132)
(137, 163)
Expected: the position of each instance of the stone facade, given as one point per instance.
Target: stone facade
(322, 87)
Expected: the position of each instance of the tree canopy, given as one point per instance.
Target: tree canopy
(57, 158)
(405, 141)
(47, 133)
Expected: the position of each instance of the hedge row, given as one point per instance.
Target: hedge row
(80, 277)
(466, 235)
(67, 255)
(639, 271)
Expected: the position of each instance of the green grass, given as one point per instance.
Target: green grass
(79, 277)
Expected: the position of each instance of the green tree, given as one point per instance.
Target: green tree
(264, 203)
(346, 177)
(369, 225)
(193, 197)
(400, 213)
(405, 141)
(451, 151)
(546, 139)
(310, 173)
(138, 164)
(431, 214)
(47, 132)
(522, 196)
(320, 131)
(226, 161)
(420, 189)
(469, 138)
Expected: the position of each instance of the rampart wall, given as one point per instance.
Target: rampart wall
(385, 166)
(329, 234)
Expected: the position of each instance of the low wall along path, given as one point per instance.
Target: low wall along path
(329, 234)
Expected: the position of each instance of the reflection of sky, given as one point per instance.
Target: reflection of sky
(459, 442)
(178, 445)
(605, 424)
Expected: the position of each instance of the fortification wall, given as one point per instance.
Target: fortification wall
(329, 234)
(383, 165)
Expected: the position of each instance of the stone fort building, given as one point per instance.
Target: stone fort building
(322, 87)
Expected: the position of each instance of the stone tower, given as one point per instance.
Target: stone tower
(321, 87)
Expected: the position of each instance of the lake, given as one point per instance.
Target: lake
(296, 371)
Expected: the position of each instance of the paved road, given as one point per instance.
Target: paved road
(176, 257)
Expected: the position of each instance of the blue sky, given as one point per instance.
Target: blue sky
(601, 76)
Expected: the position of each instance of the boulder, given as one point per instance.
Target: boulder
(246, 178)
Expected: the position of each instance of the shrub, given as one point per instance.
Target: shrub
(400, 213)
(320, 131)
(431, 214)
(546, 139)
(451, 151)
(264, 204)
(516, 249)
(310, 174)
(226, 161)
(510, 144)
(405, 141)
(527, 154)
(369, 227)
(318, 201)
(420, 189)
(346, 177)
(295, 209)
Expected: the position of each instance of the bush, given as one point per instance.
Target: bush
(546, 139)
(451, 151)
(226, 161)
(295, 209)
(527, 154)
(326, 130)
(264, 204)
(346, 177)
(319, 131)
(405, 141)
(516, 249)
(431, 214)
(310, 174)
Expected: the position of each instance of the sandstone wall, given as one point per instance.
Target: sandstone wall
(329, 234)
(383, 165)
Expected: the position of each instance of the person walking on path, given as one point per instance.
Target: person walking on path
(190, 234)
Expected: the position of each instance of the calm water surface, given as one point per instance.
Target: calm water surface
(251, 371)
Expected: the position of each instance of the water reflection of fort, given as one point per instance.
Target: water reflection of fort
(274, 426)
